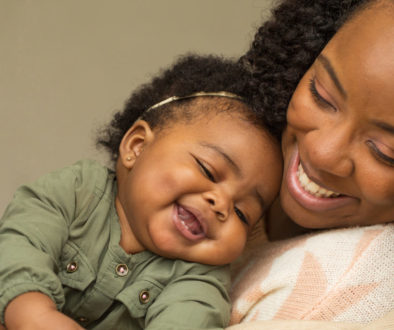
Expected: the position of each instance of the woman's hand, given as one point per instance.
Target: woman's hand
(35, 310)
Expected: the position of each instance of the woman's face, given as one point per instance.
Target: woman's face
(339, 144)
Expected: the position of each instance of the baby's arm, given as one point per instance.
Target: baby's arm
(33, 231)
(34, 310)
(192, 302)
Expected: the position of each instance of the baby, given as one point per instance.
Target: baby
(146, 246)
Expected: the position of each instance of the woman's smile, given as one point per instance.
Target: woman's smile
(310, 194)
(312, 187)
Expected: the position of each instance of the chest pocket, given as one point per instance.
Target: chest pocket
(76, 271)
(138, 296)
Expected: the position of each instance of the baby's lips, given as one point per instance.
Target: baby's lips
(185, 211)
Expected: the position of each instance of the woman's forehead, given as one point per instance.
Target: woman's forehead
(362, 53)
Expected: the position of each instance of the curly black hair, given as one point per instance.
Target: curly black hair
(190, 74)
(286, 45)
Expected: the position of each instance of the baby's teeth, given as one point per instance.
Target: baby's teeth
(184, 224)
(311, 186)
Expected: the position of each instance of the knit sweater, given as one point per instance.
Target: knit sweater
(344, 275)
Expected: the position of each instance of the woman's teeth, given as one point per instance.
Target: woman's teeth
(311, 187)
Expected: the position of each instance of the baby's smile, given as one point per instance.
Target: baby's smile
(188, 223)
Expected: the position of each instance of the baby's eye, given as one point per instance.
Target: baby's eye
(240, 215)
(207, 172)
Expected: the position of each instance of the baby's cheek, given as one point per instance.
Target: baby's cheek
(165, 240)
(177, 181)
(232, 246)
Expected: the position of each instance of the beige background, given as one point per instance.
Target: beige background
(67, 65)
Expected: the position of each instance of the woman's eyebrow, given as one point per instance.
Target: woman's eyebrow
(385, 126)
(330, 70)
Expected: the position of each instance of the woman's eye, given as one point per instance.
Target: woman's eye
(240, 215)
(380, 155)
(207, 173)
(320, 100)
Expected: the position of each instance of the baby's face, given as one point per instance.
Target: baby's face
(196, 190)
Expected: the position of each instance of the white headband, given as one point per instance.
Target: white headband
(176, 98)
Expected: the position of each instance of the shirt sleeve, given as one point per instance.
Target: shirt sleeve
(33, 231)
(192, 302)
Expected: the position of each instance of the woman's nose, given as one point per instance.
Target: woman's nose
(329, 149)
(219, 203)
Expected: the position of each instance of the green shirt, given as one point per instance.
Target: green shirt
(60, 236)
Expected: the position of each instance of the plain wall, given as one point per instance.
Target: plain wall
(67, 65)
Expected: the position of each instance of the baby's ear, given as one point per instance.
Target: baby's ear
(134, 141)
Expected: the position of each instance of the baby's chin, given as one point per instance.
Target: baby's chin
(206, 251)
(213, 259)
(207, 259)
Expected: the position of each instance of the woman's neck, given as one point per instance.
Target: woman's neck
(280, 226)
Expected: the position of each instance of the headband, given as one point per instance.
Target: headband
(177, 98)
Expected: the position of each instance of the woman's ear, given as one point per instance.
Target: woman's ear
(133, 142)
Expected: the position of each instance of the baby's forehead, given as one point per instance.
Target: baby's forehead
(213, 106)
(203, 108)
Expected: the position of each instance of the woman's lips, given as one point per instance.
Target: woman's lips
(189, 223)
(309, 194)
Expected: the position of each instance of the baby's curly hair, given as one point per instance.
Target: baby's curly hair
(190, 74)
(286, 45)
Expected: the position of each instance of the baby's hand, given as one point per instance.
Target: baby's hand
(35, 310)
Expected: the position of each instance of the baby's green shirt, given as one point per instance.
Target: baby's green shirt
(60, 236)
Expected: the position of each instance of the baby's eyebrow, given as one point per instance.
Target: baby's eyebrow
(224, 155)
(235, 167)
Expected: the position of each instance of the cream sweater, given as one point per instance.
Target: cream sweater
(344, 275)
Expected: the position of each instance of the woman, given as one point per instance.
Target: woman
(328, 66)
(339, 119)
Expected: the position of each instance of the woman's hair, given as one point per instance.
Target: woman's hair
(286, 45)
(190, 74)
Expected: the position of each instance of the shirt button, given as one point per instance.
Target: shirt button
(72, 267)
(82, 319)
(144, 297)
(122, 269)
